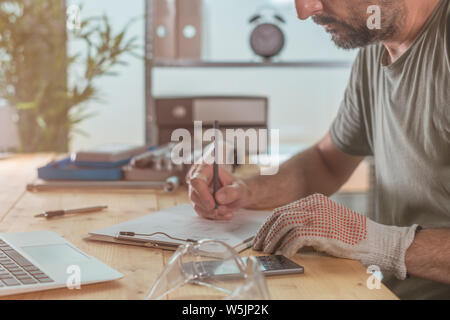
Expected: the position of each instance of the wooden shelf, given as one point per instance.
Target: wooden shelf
(152, 63)
(160, 63)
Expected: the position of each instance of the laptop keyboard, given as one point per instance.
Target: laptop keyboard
(15, 270)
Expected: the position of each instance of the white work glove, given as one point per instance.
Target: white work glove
(319, 222)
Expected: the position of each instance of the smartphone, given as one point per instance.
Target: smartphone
(269, 265)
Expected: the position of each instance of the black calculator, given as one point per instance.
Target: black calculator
(269, 265)
(278, 265)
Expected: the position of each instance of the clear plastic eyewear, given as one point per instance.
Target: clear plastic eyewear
(210, 269)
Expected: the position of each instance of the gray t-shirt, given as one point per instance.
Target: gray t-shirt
(400, 114)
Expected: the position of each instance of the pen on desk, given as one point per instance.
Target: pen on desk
(57, 213)
(215, 165)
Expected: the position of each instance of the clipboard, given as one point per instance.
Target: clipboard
(181, 222)
(136, 241)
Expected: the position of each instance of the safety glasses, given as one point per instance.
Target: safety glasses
(210, 269)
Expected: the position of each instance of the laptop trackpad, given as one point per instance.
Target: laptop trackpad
(55, 253)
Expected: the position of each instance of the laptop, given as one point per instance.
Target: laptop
(42, 260)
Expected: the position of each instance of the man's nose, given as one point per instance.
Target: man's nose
(308, 8)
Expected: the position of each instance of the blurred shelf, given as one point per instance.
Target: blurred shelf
(160, 63)
(152, 63)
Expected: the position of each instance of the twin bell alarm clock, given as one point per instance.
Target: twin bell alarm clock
(267, 38)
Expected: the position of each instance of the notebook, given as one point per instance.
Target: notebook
(181, 222)
(112, 153)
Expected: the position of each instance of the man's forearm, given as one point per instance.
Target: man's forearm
(302, 175)
(428, 256)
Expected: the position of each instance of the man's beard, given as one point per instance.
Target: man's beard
(344, 35)
(357, 34)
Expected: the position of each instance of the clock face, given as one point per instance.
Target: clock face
(267, 40)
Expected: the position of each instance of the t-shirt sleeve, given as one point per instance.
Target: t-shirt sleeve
(349, 129)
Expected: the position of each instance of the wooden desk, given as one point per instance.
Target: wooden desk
(324, 278)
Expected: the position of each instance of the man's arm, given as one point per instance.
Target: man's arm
(321, 169)
(428, 256)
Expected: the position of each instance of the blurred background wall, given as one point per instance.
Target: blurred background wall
(303, 102)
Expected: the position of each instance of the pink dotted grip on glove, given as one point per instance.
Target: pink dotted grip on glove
(317, 216)
(319, 222)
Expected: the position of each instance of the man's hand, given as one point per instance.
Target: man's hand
(232, 195)
(327, 226)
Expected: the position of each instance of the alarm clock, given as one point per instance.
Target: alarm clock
(267, 37)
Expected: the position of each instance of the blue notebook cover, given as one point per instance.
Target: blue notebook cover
(65, 169)
(99, 165)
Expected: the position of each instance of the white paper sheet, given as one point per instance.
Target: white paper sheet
(182, 222)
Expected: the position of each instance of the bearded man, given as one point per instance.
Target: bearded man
(396, 108)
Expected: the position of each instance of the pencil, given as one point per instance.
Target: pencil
(215, 164)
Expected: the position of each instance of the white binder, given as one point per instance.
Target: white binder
(190, 29)
(165, 29)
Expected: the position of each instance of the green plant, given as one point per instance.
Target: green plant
(40, 79)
